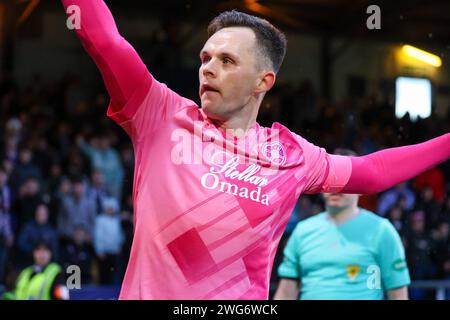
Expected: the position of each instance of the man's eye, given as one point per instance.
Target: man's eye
(227, 60)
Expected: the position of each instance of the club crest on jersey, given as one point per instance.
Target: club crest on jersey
(353, 271)
(275, 152)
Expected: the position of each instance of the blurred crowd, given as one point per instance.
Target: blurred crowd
(66, 174)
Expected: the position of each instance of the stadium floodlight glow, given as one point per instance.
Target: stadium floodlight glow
(413, 96)
(254, 6)
(422, 55)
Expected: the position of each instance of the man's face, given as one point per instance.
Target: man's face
(78, 189)
(41, 214)
(340, 200)
(25, 156)
(229, 72)
(3, 177)
(97, 178)
(104, 143)
(55, 170)
(109, 211)
(42, 256)
(79, 236)
(33, 186)
(444, 229)
(418, 225)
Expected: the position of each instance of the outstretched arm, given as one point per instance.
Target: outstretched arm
(121, 67)
(383, 169)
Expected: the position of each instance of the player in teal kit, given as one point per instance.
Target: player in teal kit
(343, 253)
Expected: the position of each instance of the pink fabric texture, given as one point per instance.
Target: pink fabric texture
(386, 168)
(121, 67)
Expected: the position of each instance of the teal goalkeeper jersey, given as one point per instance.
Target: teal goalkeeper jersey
(358, 259)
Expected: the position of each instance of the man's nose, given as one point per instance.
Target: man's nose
(209, 69)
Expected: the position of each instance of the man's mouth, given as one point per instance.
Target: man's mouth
(207, 88)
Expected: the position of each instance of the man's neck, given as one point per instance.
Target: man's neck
(235, 127)
(240, 123)
(343, 215)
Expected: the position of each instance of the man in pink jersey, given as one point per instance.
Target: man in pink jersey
(213, 190)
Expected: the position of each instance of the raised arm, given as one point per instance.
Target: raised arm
(121, 67)
(383, 169)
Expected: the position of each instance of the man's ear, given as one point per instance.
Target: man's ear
(265, 82)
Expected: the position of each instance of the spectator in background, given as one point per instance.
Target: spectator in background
(397, 218)
(79, 252)
(391, 197)
(445, 209)
(107, 160)
(76, 163)
(63, 190)
(441, 247)
(419, 254)
(430, 207)
(42, 153)
(6, 243)
(13, 128)
(10, 150)
(36, 231)
(44, 280)
(76, 209)
(28, 199)
(434, 179)
(75, 95)
(108, 240)
(6, 195)
(97, 190)
(441, 237)
(54, 179)
(61, 139)
(6, 228)
(12, 137)
(446, 269)
(25, 168)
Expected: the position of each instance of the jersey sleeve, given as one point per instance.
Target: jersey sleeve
(324, 172)
(384, 169)
(148, 110)
(290, 265)
(391, 258)
(122, 69)
(139, 103)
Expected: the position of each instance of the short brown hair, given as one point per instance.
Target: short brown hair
(271, 41)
